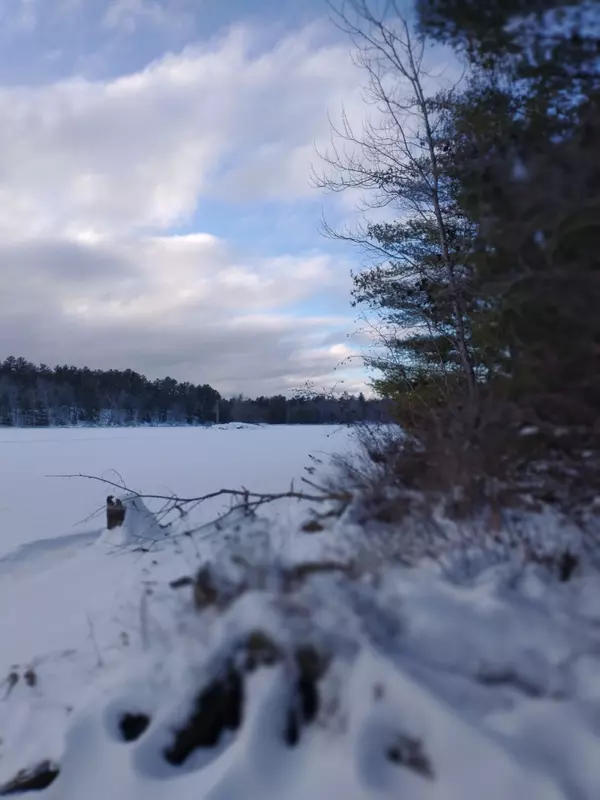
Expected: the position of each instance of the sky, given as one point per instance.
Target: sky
(156, 208)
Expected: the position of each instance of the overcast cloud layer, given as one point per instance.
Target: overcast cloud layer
(106, 257)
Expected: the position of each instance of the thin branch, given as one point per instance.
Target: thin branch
(253, 497)
(396, 160)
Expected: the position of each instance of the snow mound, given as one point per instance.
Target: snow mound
(309, 681)
(250, 660)
(238, 426)
(140, 527)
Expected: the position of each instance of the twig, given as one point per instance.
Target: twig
(254, 498)
(89, 517)
(248, 503)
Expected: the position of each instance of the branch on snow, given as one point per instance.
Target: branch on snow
(248, 501)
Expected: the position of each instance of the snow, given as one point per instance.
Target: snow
(486, 685)
(191, 461)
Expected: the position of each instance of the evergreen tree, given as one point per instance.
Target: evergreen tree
(66, 395)
(526, 160)
(419, 285)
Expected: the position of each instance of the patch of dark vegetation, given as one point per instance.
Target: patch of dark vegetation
(180, 583)
(311, 666)
(11, 681)
(132, 726)
(30, 677)
(218, 708)
(305, 701)
(259, 650)
(312, 526)
(562, 565)
(291, 732)
(511, 679)
(408, 752)
(31, 780)
(212, 589)
(300, 572)
(567, 566)
(205, 589)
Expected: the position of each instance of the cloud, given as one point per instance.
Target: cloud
(189, 306)
(96, 175)
(19, 16)
(128, 15)
(225, 119)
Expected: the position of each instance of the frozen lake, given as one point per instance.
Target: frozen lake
(186, 461)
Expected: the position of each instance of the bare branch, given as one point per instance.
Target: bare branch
(394, 161)
(249, 501)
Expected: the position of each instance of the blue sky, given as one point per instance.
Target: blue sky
(156, 210)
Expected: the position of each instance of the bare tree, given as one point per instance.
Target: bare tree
(396, 162)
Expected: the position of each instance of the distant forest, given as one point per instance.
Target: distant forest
(43, 396)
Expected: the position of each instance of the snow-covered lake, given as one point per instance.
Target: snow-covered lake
(54, 583)
(186, 461)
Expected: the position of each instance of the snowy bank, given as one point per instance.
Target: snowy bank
(274, 676)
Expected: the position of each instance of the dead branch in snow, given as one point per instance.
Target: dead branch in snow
(249, 502)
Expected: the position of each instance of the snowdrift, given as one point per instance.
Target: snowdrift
(140, 527)
(272, 676)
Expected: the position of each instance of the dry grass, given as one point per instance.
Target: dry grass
(475, 471)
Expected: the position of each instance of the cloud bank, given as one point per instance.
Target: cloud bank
(97, 177)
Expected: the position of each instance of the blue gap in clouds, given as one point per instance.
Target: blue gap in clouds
(270, 229)
(262, 228)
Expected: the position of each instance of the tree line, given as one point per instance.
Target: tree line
(483, 269)
(41, 396)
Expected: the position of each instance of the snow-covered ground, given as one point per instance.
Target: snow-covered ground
(421, 688)
(70, 600)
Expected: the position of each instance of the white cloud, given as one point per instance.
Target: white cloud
(128, 15)
(188, 306)
(140, 150)
(19, 16)
(183, 276)
(94, 174)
